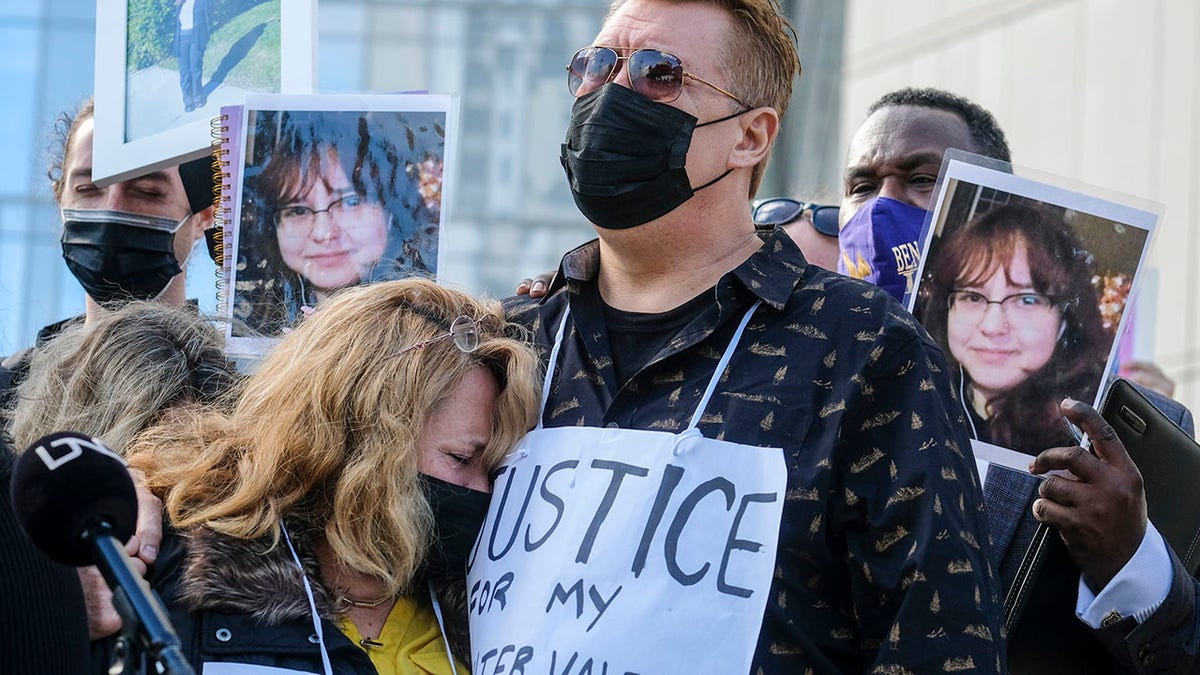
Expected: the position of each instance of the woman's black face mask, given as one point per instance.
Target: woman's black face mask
(624, 156)
(117, 255)
(458, 515)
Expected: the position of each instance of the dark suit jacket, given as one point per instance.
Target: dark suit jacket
(1168, 641)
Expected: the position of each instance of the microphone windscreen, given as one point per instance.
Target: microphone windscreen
(66, 483)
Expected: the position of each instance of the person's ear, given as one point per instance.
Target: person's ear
(198, 222)
(759, 127)
(201, 225)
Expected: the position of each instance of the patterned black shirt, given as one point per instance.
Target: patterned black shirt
(883, 564)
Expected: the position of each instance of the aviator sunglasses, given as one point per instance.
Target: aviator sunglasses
(655, 74)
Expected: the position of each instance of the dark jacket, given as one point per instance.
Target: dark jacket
(1048, 632)
(244, 602)
(42, 615)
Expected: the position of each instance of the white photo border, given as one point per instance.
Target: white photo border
(960, 167)
(114, 159)
(256, 347)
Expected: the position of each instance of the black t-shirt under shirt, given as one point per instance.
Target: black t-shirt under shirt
(636, 337)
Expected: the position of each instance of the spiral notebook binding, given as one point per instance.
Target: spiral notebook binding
(220, 187)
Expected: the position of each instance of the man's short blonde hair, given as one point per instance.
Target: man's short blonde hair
(759, 61)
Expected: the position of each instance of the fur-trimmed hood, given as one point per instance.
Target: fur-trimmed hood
(260, 579)
(224, 574)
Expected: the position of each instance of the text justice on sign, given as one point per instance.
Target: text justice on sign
(713, 505)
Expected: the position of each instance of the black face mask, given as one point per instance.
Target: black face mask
(458, 515)
(625, 155)
(119, 256)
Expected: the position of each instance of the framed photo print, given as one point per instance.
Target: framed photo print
(164, 68)
(1024, 284)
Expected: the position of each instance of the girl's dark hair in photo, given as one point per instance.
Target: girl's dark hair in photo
(1026, 416)
(384, 154)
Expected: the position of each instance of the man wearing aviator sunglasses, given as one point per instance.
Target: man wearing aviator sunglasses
(733, 473)
(651, 139)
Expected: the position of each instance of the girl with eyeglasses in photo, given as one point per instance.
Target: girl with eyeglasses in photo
(323, 525)
(1009, 298)
(334, 199)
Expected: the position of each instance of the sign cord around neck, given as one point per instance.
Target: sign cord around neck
(721, 366)
(312, 603)
(558, 339)
(437, 612)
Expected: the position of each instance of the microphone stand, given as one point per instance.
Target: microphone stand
(141, 613)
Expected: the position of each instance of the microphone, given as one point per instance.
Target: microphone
(74, 498)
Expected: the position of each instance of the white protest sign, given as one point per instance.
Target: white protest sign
(615, 551)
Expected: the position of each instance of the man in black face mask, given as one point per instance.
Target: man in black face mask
(126, 241)
(767, 472)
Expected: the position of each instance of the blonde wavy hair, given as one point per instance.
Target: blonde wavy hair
(325, 432)
(119, 374)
